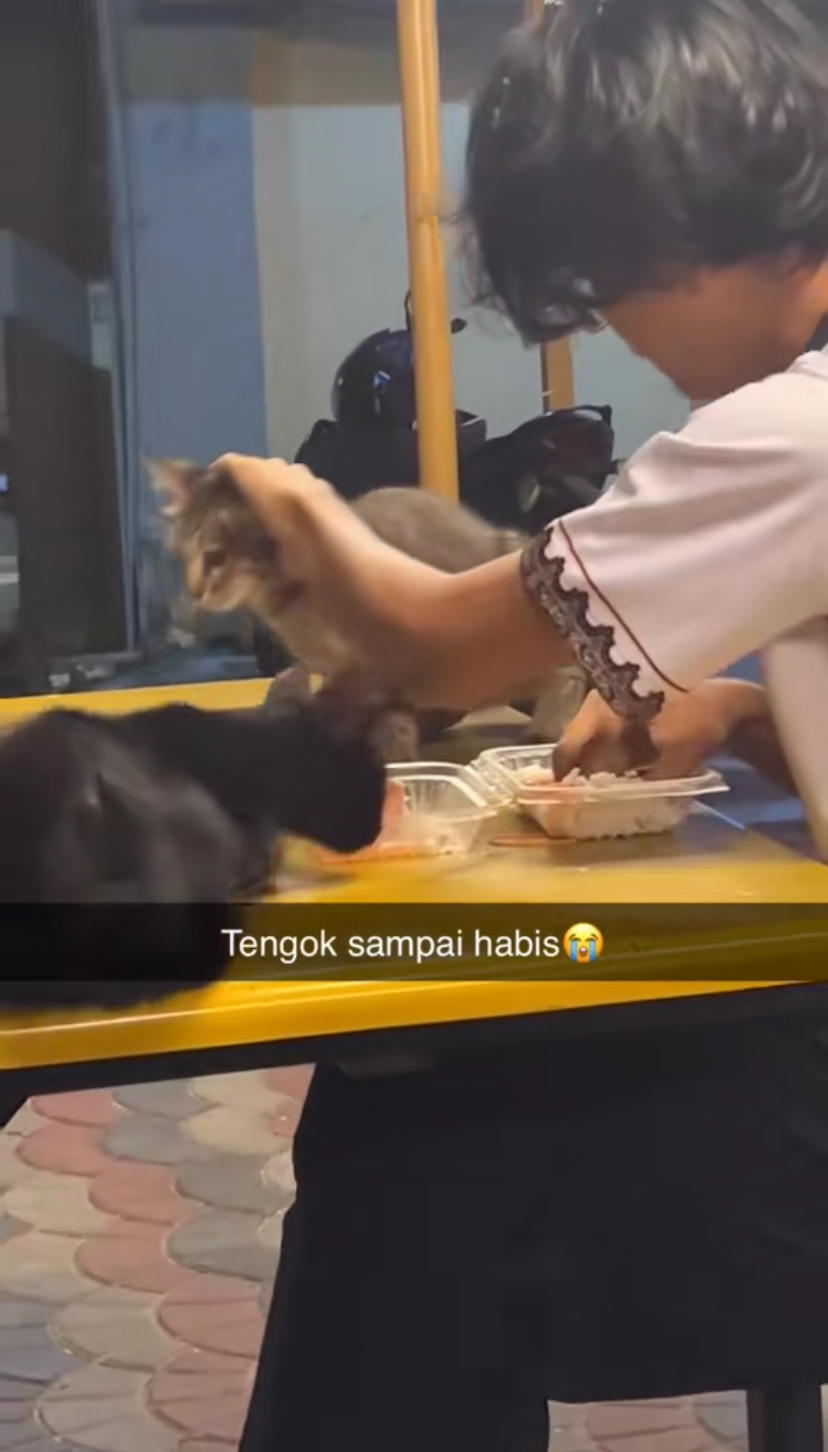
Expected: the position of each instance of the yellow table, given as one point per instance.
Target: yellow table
(235, 1024)
(208, 696)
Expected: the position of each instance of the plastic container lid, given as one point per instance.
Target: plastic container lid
(510, 765)
(444, 810)
(600, 807)
(472, 785)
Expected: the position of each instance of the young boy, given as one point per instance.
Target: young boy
(641, 1214)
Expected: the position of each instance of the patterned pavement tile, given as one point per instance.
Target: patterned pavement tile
(224, 1242)
(249, 1091)
(24, 1435)
(647, 1427)
(564, 1415)
(133, 1255)
(285, 1122)
(15, 1412)
(42, 1267)
(219, 1313)
(230, 1182)
(117, 1328)
(204, 1395)
(205, 1444)
(724, 1415)
(234, 1131)
(131, 1316)
(9, 1227)
(12, 1168)
(28, 1353)
(104, 1410)
(17, 1312)
(573, 1439)
(58, 1203)
(269, 1234)
(278, 1170)
(137, 1191)
(170, 1099)
(93, 1107)
(293, 1080)
(68, 1149)
(13, 1391)
(25, 1121)
(31, 1438)
(256, 1092)
(153, 1141)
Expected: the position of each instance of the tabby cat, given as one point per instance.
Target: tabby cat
(230, 562)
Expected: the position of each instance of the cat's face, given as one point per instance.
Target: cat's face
(229, 562)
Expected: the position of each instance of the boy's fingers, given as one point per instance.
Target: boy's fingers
(629, 748)
(247, 471)
(568, 754)
(267, 484)
(638, 747)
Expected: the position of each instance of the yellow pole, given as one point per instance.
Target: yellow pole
(420, 82)
(557, 377)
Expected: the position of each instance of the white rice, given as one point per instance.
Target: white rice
(593, 820)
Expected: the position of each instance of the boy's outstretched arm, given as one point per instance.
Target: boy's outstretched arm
(454, 641)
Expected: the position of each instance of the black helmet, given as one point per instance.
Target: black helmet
(375, 384)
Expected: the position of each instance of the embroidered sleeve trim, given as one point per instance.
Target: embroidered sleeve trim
(593, 644)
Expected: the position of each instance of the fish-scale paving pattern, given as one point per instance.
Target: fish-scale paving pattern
(139, 1235)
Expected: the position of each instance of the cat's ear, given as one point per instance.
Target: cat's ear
(173, 480)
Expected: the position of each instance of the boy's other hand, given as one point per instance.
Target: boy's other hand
(687, 731)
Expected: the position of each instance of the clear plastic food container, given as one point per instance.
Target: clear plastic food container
(438, 809)
(592, 807)
(432, 808)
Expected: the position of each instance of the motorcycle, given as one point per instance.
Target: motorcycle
(542, 470)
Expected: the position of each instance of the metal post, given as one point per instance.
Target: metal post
(419, 73)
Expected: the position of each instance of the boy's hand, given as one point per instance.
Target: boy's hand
(273, 488)
(688, 731)
(285, 498)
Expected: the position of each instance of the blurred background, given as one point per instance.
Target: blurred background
(201, 216)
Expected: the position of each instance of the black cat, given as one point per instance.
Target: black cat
(126, 839)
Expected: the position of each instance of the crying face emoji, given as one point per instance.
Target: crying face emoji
(583, 943)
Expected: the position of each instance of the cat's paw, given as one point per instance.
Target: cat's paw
(289, 686)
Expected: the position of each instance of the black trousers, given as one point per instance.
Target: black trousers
(620, 1217)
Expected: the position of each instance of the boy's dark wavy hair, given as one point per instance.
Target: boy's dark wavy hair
(619, 142)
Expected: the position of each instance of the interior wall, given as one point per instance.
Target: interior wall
(643, 402)
(333, 263)
(198, 354)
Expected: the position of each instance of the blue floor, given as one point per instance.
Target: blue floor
(755, 803)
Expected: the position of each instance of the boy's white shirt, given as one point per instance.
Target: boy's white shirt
(711, 545)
